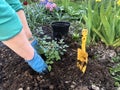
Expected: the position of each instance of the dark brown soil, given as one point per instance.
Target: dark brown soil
(15, 74)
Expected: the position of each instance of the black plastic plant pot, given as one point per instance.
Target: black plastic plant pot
(60, 29)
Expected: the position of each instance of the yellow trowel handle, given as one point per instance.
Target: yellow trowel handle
(84, 38)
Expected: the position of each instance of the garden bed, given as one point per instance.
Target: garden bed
(15, 74)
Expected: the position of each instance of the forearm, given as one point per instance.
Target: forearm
(22, 17)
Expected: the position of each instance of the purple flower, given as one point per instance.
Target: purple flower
(50, 6)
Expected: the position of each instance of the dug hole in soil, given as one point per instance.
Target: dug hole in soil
(15, 74)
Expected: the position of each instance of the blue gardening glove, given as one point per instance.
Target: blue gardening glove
(38, 64)
(34, 43)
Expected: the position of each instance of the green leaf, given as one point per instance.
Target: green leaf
(116, 42)
(115, 69)
(105, 22)
(100, 35)
(117, 84)
(117, 78)
(49, 68)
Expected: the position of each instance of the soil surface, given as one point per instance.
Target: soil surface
(15, 74)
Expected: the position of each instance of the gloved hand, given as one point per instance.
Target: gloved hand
(37, 64)
(34, 43)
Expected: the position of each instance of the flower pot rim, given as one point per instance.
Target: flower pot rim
(60, 22)
(57, 23)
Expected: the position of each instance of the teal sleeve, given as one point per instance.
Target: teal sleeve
(10, 24)
(15, 4)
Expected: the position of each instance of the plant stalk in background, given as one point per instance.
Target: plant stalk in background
(103, 21)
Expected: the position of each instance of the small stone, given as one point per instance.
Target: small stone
(72, 86)
(36, 84)
(41, 76)
(94, 87)
(118, 88)
(67, 82)
(20, 89)
(28, 88)
(74, 83)
(81, 88)
(51, 87)
(0, 64)
(112, 53)
(102, 89)
(38, 78)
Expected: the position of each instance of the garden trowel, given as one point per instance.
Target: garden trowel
(82, 55)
